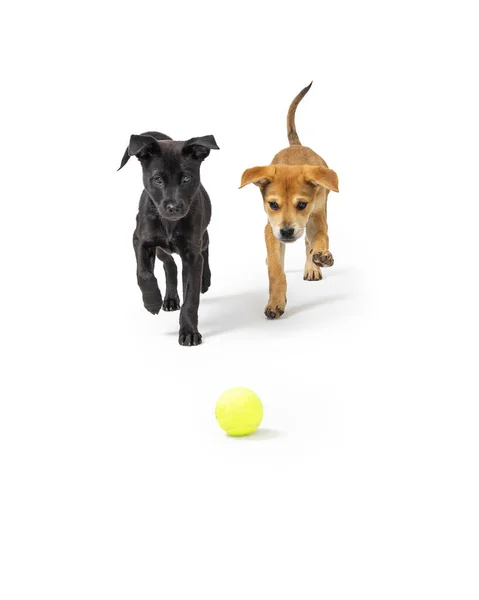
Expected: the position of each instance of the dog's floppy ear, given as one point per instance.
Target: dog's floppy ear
(139, 146)
(199, 147)
(321, 176)
(260, 176)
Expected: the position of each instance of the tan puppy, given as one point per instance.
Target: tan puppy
(295, 188)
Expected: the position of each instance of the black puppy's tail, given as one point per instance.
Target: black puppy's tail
(291, 127)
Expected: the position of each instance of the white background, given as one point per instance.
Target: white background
(116, 480)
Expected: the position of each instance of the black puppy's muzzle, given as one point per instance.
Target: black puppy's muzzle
(173, 210)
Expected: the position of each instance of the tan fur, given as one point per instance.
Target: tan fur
(297, 174)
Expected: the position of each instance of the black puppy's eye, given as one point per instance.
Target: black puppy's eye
(301, 205)
(158, 180)
(185, 179)
(274, 205)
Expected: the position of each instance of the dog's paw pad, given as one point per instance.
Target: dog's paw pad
(312, 274)
(171, 304)
(190, 339)
(323, 259)
(273, 313)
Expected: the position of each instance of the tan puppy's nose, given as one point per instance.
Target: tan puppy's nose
(286, 233)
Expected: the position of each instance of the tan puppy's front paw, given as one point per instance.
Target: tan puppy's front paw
(323, 259)
(273, 313)
(274, 310)
(312, 273)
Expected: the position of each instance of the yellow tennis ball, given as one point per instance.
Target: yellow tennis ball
(239, 411)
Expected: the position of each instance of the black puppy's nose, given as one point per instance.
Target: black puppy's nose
(287, 232)
(172, 209)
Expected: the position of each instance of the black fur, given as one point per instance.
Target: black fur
(173, 217)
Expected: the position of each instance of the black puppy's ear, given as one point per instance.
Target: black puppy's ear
(124, 160)
(139, 146)
(200, 147)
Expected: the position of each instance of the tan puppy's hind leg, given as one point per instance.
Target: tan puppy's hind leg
(277, 279)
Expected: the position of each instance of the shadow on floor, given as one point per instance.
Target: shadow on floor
(244, 310)
(235, 311)
(327, 272)
(262, 435)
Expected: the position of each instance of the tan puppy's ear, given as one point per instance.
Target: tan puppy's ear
(321, 176)
(260, 176)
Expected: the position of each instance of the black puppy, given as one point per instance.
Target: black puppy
(173, 216)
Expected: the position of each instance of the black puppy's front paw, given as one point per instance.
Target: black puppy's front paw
(152, 302)
(171, 303)
(190, 338)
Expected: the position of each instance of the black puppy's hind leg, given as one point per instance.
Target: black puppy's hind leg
(145, 262)
(206, 275)
(172, 300)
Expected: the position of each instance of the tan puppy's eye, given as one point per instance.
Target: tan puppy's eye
(301, 205)
(274, 205)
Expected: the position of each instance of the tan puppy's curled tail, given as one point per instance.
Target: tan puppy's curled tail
(291, 127)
